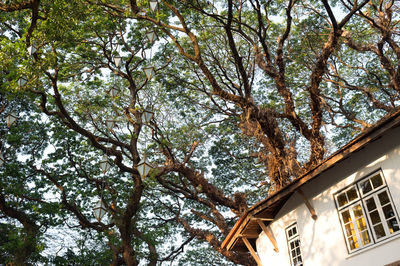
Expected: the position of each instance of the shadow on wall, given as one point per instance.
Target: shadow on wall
(265, 248)
(323, 240)
(321, 244)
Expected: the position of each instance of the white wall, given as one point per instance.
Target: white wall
(322, 241)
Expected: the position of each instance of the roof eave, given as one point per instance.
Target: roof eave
(353, 146)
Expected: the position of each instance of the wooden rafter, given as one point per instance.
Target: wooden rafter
(269, 234)
(252, 251)
(308, 204)
(251, 236)
(275, 201)
(262, 219)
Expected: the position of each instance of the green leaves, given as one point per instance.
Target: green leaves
(225, 116)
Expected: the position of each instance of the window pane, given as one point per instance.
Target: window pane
(393, 225)
(366, 186)
(349, 229)
(357, 211)
(388, 211)
(365, 238)
(353, 242)
(361, 224)
(375, 217)
(346, 217)
(377, 181)
(342, 199)
(379, 231)
(298, 251)
(352, 194)
(371, 204)
(294, 245)
(383, 198)
(367, 212)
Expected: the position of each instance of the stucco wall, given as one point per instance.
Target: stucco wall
(322, 241)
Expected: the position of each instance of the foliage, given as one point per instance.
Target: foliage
(247, 96)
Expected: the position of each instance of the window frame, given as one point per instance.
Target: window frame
(369, 177)
(355, 227)
(381, 213)
(292, 239)
(345, 190)
(361, 200)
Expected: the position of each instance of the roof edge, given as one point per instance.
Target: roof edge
(233, 230)
(386, 123)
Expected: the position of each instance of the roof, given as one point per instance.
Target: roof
(248, 226)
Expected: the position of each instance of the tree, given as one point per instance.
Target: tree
(20, 194)
(247, 96)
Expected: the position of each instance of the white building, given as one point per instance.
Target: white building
(343, 212)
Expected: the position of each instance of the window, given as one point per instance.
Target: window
(294, 245)
(366, 212)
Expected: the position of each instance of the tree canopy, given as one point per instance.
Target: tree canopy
(226, 101)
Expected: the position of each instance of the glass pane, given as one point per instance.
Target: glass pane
(352, 194)
(294, 231)
(349, 229)
(383, 198)
(379, 231)
(298, 251)
(365, 238)
(102, 213)
(357, 211)
(353, 242)
(346, 217)
(377, 181)
(366, 186)
(371, 204)
(361, 225)
(388, 211)
(393, 225)
(375, 217)
(342, 199)
(297, 243)
(291, 245)
(293, 253)
(290, 233)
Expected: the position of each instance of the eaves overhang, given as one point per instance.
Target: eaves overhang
(248, 226)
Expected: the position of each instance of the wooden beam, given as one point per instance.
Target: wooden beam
(353, 146)
(308, 204)
(252, 251)
(263, 219)
(249, 235)
(276, 200)
(269, 234)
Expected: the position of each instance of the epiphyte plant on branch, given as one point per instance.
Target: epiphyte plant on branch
(248, 95)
